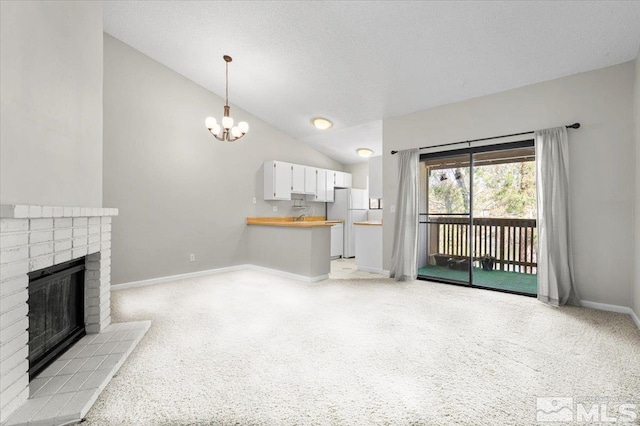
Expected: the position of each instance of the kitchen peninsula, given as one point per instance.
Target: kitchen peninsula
(369, 246)
(297, 247)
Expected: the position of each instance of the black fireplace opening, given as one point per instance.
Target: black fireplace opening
(56, 312)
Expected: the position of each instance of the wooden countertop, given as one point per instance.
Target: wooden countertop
(368, 223)
(308, 222)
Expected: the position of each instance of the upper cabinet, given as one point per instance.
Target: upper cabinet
(342, 180)
(331, 179)
(297, 179)
(321, 185)
(277, 180)
(283, 179)
(310, 178)
(375, 177)
(348, 180)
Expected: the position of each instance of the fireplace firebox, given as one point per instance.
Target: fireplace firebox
(56, 312)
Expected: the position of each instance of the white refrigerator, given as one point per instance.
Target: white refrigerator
(350, 205)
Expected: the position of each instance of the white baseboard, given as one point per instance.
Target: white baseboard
(606, 307)
(286, 274)
(612, 308)
(168, 278)
(206, 272)
(636, 319)
(382, 272)
(371, 270)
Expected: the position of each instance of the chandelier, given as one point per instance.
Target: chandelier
(227, 131)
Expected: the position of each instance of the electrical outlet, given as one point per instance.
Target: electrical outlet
(275, 208)
(192, 257)
(393, 208)
(254, 200)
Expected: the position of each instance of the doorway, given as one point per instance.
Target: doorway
(478, 217)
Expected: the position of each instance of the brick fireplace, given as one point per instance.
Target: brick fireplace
(37, 237)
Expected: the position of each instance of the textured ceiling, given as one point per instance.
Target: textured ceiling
(359, 62)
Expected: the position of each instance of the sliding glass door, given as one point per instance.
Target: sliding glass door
(478, 217)
(448, 218)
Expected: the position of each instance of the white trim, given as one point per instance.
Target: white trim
(372, 270)
(612, 308)
(206, 272)
(168, 278)
(286, 274)
(606, 307)
(635, 318)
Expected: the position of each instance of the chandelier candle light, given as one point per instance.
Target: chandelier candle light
(227, 132)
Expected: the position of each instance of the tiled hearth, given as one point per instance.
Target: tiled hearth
(65, 391)
(37, 237)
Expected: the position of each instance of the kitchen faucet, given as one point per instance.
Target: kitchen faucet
(300, 218)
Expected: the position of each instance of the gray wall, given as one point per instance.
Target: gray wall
(360, 173)
(51, 103)
(602, 162)
(178, 189)
(300, 251)
(637, 168)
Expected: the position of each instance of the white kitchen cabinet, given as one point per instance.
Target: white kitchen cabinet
(348, 180)
(321, 185)
(324, 185)
(310, 180)
(282, 179)
(277, 180)
(343, 180)
(297, 179)
(331, 178)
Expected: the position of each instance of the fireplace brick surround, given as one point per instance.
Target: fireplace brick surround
(33, 238)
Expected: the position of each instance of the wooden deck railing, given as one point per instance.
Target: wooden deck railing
(512, 242)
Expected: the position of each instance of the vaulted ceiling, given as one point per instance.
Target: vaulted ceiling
(357, 63)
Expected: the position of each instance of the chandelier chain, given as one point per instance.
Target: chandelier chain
(227, 83)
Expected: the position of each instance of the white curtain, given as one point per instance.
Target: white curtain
(555, 267)
(404, 263)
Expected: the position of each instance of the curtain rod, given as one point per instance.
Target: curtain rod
(571, 126)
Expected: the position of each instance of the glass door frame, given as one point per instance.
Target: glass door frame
(471, 150)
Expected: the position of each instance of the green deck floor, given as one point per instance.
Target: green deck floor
(503, 280)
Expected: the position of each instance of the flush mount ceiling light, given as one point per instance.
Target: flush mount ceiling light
(364, 152)
(227, 132)
(322, 123)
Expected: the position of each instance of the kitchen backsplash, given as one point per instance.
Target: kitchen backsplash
(288, 208)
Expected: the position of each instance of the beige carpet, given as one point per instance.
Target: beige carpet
(246, 348)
